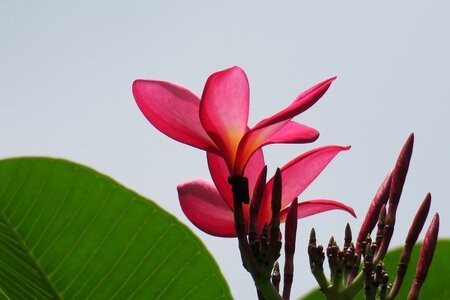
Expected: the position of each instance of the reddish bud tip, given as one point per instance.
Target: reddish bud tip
(425, 257)
(400, 171)
(276, 192)
(419, 221)
(258, 190)
(291, 228)
(373, 213)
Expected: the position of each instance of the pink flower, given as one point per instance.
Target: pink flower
(209, 205)
(218, 122)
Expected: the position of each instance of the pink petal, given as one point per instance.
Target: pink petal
(258, 135)
(205, 208)
(312, 207)
(253, 169)
(173, 110)
(304, 101)
(291, 132)
(300, 172)
(224, 110)
(297, 175)
(220, 173)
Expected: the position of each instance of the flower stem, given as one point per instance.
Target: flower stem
(353, 288)
(261, 280)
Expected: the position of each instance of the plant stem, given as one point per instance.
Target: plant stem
(353, 288)
(262, 282)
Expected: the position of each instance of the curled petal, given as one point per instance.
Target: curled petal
(284, 132)
(300, 172)
(220, 173)
(297, 175)
(293, 132)
(205, 208)
(265, 129)
(304, 101)
(312, 207)
(224, 110)
(173, 110)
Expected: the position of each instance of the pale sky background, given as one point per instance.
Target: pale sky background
(66, 70)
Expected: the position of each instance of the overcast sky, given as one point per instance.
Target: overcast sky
(66, 71)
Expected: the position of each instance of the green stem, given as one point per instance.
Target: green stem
(358, 283)
(333, 294)
(320, 277)
(353, 288)
(267, 289)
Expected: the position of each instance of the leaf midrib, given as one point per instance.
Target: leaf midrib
(32, 260)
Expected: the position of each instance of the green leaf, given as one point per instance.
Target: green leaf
(69, 232)
(437, 283)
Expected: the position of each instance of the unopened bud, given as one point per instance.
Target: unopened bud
(425, 257)
(255, 204)
(348, 236)
(372, 215)
(291, 228)
(411, 239)
(312, 237)
(399, 174)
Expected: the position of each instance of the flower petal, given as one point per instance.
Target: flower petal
(304, 101)
(290, 133)
(220, 173)
(297, 175)
(254, 167)
(205, 208)
(224, 110)
(265, 129)
(300, 172)
(312, 207)
(173, 110)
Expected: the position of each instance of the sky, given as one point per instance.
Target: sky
(66, 70)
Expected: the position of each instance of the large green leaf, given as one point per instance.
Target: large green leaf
(69, 232)
(437, 283)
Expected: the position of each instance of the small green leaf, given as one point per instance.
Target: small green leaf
(437, 283)
(69, 232)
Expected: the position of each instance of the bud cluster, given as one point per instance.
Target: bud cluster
(260, 247)
(346, 278)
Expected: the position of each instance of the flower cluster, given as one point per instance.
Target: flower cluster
(217, 123)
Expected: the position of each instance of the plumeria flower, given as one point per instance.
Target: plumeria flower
(209, 206)
(218, 122)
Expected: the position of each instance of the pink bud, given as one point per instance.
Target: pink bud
(381, 198)
(425, 257)
(400, 171)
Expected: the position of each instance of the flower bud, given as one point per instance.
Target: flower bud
(425, 257)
